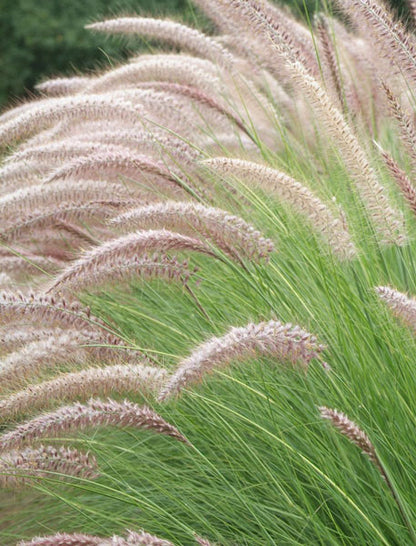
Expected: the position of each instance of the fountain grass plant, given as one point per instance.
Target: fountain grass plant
(305, 436)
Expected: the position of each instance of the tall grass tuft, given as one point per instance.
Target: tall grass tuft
(172, 228)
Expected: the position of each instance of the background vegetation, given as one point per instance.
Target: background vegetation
(42, 39)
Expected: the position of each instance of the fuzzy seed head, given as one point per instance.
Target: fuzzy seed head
(283, 341)
(78, 417)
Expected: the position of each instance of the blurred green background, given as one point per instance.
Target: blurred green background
(40, 38)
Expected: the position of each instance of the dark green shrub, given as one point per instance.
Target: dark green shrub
(39, 39)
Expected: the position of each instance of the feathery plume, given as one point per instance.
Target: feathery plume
(59, 87)
(162, 109)
(402, 180)
(105, 138)
(17, 366)
(64, 539)
(405, 123)
(133, 539)
(175, 68)
(67, 108)
(401, 305)
(52, 215)
(120, 164)
(230, 233)
(9, 340)
(329, 58)
(175, 34)
(40, 196)
(388, 33)
(95, 413)
(126, 247)
(79, 128)
(53, 153)
(16, 172)
(358, 437)
(388, 222)
(123, 378)
(46, 310)
(142, 538)
(297, 196)
(71, 346)
(156, 109)
(14, 112)
(129, 268)
(18, 467)
(230, 21)
(148, 141)
(301, 32)
(212, 9)
(203, 65)
(26, 263)
(199, 96)
(283, 341)
(349, 429)
(266, 21)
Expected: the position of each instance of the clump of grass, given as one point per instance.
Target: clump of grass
(252, 165)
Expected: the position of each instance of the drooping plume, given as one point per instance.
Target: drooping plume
(125, 269)
(271, 32)
(299, 197)
(126, 248)
(120, 379)
(65, 539)
(78, 417)
(84, 107)
(71, 347)
(406, 125)
(401, 305)
(230, 233)
(23, 201)
(133, 538)
(58, 87)
(200, 98)
(349, 429)
(175, 68)
(387, 221)
(18, 467)
(175, 34)
(118, 165)
(388, 33)
(52, 216)
(402, 180)
(329, 59)
(283, 341)
(16, 307)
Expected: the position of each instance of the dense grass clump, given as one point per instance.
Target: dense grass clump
(208, 274)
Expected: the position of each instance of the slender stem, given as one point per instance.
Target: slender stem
(398, 500)
(197, 302)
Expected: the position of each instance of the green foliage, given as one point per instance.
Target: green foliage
(264, 468)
